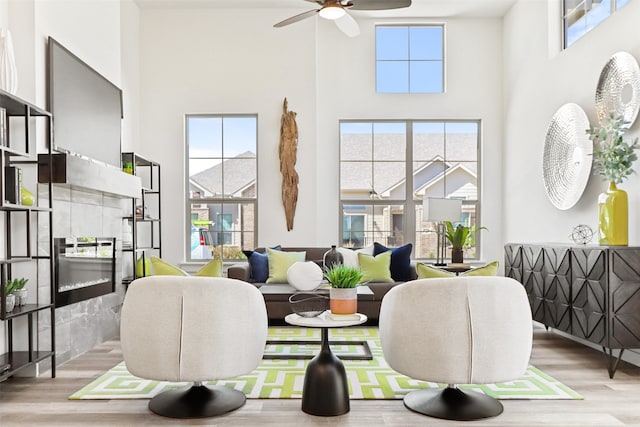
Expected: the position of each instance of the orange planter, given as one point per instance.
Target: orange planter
(344, 301)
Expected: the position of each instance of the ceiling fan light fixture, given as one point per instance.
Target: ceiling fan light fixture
(332, 12)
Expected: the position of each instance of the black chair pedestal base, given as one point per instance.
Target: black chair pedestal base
(197, 401)
(452, 403)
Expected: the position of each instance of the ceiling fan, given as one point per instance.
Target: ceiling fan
(336, 10)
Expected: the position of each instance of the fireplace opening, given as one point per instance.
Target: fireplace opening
(85, 268)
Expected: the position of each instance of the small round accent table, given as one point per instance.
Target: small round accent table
(326, 389)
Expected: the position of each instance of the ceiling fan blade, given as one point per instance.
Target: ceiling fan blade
(348, 25)
(297, 18)
(379, 4)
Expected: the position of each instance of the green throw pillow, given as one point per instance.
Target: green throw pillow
(211, 269)
(163, 268)
(143, 269)
(376, 269)
(428, 272)
(279, 263)
(490, 269)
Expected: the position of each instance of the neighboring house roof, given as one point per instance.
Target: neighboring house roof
(238, 176)
(390, 174)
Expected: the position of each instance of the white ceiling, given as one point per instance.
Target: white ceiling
(418, 9)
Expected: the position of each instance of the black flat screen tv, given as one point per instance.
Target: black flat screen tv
(86, 108)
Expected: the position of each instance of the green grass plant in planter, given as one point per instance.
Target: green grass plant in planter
(344, 293)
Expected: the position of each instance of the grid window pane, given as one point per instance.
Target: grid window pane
(218, 229)
(356, 141)
(392, 76)
(205, 136)
(392, 43)
(425, 77)
(425, 43)
(389, 141)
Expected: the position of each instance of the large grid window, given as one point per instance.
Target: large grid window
(410, 59)
(221, 185)
(581, 16)
(388, 167)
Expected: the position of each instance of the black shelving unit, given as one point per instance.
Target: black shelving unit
(23, 117)
(145, 219)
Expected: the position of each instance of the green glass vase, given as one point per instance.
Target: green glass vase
(613, 211)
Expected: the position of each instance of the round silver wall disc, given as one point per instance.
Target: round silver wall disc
(618, 88)
(566, 164)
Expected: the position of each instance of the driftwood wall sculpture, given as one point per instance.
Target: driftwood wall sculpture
(288, 151)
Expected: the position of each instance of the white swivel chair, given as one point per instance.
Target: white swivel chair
(459, 330)
(193, 329)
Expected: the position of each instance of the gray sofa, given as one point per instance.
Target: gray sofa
(278, 307)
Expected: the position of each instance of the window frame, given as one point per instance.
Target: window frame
(564, 13)
(410, 203)
(409, 61)
(222, 200)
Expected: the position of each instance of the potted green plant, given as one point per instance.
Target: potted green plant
(613, 159)
(460, 237)
(20, 291)
(10, 296)
(343, 293)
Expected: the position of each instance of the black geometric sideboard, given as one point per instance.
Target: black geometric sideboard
(591, 292)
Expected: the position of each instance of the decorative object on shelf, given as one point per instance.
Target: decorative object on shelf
(460, 237)
(343, 293)
(127, 167)
(10, 302)
(613, 159)
(566, 163)
(437, 211)
(618, 89)
(582, 234)
(332, 257)
(16, 288)
(308, 305)
(26, 196)
(8, 70)
(288, 150)
(304, 275)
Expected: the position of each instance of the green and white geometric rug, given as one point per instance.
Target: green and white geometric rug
(283, 379)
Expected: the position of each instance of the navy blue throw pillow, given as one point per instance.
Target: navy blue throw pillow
(400, 260)
(259, 264)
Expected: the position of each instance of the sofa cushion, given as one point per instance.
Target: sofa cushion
(429, 272)
(213, 268)
(279, 263)
(259, 263)
(375, 268)
(163, 268)
(400, 260)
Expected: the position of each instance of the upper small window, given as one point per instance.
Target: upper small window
(410, 59)
(581, 16)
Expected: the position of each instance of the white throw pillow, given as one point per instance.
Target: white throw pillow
(349, 256)
(304, 276)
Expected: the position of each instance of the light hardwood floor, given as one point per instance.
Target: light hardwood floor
(43, 401)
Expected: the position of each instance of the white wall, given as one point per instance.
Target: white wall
(538, 83)
(226, 61)
(234, 61)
